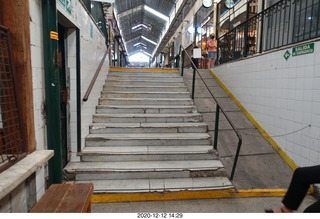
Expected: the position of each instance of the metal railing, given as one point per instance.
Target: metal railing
(218, 109)
(86, 96)
(284, 23)
(12, 138)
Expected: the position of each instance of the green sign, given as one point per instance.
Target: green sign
(303, 49)
(66, 4)
(62, 2)
(286, 55)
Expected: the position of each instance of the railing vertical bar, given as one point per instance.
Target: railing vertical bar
(310, 30)
(318, 21)
(216, 128)
(284, 21)
(182, 63)
(193, 82)
(236, 157)
(271, 26)
(290, 24)
(280, 11)
(305, 20)
(275, 26)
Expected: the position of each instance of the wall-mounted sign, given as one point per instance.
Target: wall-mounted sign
(67, 4)
(303, 49)
(286, 55)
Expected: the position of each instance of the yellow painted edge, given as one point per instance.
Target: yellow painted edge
(145, 69)
(274, 144)
(181, 195)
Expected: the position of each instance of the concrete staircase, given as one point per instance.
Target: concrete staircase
(147, 136)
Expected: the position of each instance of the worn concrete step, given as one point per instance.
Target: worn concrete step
(144, 169)
(143, 78)
(163, 88)
(158, 74)
(145, 109)
(160, 185)
(147, 139)
(145, 153)
(145, 82)
(143, 94)
(147, 118)
(146, 101)
(108, 128)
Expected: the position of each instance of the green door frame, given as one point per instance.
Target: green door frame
(52, 92)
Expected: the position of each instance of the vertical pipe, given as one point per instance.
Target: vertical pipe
(52, 93)
(78, 81)
(193, 82)
(216, 128)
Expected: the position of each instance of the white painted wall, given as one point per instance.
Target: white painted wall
(283, 96)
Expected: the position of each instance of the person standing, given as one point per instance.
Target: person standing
(212, 51)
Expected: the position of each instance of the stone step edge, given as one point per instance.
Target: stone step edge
(145, 185)
(139, 151)
(146, 125)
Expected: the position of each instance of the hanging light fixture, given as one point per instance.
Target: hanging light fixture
(207, 3)
(229, 3)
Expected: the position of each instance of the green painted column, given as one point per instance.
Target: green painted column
(52, 93)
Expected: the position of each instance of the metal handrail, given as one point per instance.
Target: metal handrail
(217, 112)
(86, 96)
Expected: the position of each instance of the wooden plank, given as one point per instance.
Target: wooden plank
(18, 21)
(51, 198)
(77, 199)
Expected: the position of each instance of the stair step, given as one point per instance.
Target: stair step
(147, 139)
(147, 118)
(146, 101)
(144, 169)
(107, 128)
(145, 82)
(144, 77)
(159, 74)
(160, 185)
(145, 153)
(144, 88)
(145, 109)
(143, 94)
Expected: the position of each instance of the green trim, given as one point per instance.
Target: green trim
(274, 144)
(52, 92)
(78, 81)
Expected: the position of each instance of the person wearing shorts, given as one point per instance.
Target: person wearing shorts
(212, 51)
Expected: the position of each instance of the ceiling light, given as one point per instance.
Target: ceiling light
(190, 29)
(150, 41)
(207, 3)
(229, 3)
(158, 14)
(200, 30)
(140, 44)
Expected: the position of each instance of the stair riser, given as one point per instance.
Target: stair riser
(92, 142)
(145, 95)
(142, 89)
(200, 129)
(104, 119)
(148, 174)
(147, 157)
(146, 102)
(105, 110)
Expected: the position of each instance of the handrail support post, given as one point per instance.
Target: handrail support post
(216, 128)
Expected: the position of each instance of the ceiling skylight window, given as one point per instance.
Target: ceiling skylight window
(140, 44)
(140, 26)
(139, 57)
(150, 41)
(158, 14)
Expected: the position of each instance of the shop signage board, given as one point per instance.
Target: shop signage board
(67, 4)
(303, 49)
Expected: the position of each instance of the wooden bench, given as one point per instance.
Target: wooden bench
(65, 198)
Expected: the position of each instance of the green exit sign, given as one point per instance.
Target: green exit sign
(303, 49)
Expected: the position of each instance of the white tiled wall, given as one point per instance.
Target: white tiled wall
(283, 96)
